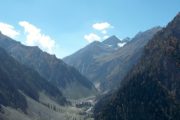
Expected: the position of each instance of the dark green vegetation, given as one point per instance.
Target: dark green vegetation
(107, 66)
(151, 91)
(16, 79)
(66, 78)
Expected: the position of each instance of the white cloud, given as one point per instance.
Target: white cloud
(104, 32)
(105, 37)
(101, 26)
(92, 37)
(36, 38)
(8, 30)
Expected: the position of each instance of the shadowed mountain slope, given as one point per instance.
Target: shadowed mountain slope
(151, 91)
(66, 78)
(17, 79)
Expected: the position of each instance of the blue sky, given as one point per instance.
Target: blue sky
(64, 26)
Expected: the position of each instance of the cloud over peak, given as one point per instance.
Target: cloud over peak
(105, 37)
(102, 32)
(36, 38)
(92, 37)
(8, 30)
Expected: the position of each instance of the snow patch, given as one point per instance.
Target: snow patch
(109, 45)
(97, 85)
(121, 44)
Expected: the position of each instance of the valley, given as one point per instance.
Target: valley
(47, 109)
(89, 60)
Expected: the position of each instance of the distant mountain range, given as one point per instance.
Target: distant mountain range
(106, 63)
(86, 56)
(66, 78)
(151, 90)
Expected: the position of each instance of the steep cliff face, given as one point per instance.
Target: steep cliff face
(151, 91)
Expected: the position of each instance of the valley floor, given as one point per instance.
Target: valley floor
(47, 109)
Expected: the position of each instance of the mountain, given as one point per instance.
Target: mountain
(66, 78)
(116, 65)
(83, 58)
(114, 42)
(151, 91)
(25, 95)
(17, 80)
(105, 65)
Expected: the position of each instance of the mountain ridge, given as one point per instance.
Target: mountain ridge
(150, 91)
(100, 65)
(17, 79)
(49, 67)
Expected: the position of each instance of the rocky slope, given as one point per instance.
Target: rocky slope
(151, 91)
(105, 63)
(17, 80)
(66, 78)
